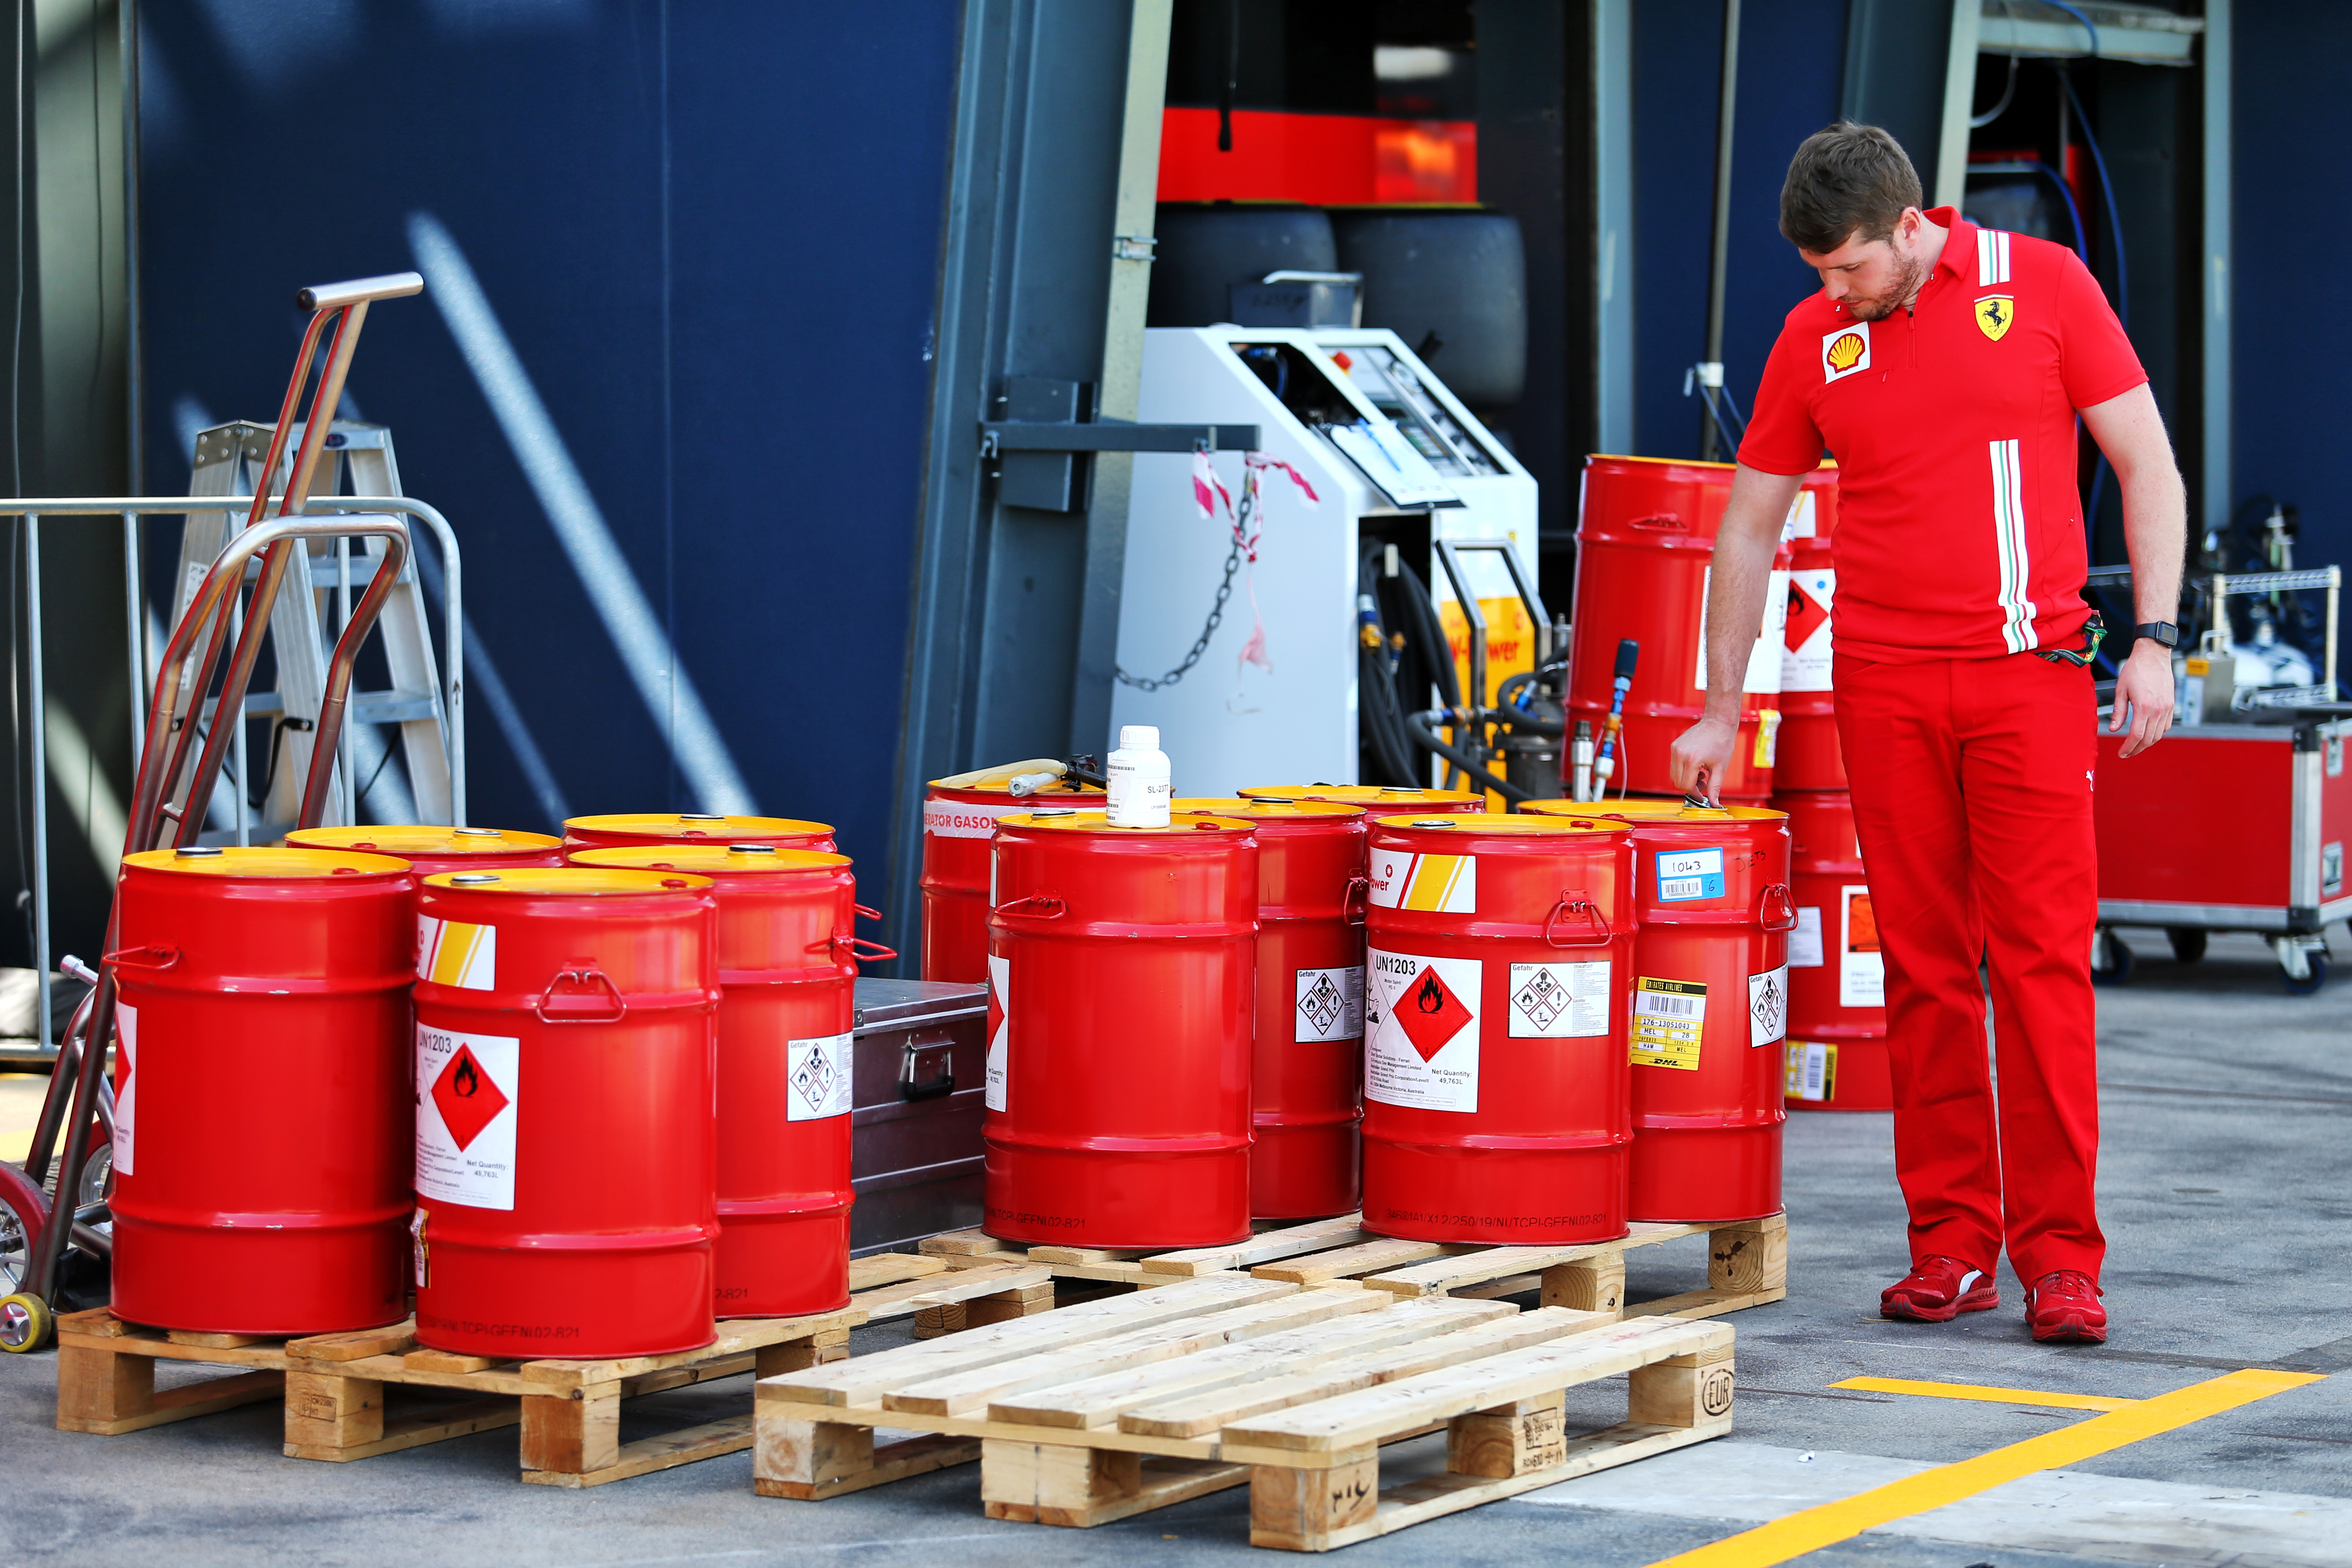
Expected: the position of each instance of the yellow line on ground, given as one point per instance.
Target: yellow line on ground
(1815, 1528)
(1990, 1395)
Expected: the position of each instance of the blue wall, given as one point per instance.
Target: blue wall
(710, 232)
(2292, 216)
(1791, 64)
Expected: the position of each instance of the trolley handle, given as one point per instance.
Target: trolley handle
(862, 950)
(1776, 908)
(1037, 906)
(1571, 903)
(1355, 905)
(557, 1004)
(133, 958)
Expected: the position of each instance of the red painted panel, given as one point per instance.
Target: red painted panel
(1325, 160)
(2197, 820)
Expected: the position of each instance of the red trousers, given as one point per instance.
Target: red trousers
(1971, 782)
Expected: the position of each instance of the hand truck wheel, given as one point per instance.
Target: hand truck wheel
(2313, 977)
(25, 1323)
(2188, 943)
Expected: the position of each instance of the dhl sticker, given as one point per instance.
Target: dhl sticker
(455, 953)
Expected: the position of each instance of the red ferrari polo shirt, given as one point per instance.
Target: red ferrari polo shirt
(1960, 528)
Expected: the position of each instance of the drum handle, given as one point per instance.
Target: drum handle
(582, 977)
(857, 946)
(128, 957)
(1572, 902)
(1355, 904)
(1661, 522)
(1048, 907)
(868, 914)
(1776, 908)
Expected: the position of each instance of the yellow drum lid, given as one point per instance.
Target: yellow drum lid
(708, 857)
(567, 881)
(1051, 819)
(699, 827)
(1496, 823)
(1652, 811)
(1366, 795)
(232, 861)
(423, 838)
(1243, 807)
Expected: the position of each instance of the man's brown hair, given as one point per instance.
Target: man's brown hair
(1846, 180)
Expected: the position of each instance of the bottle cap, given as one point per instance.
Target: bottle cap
(1138, 737)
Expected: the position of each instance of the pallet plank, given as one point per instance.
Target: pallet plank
(963, 1244)
(1373, 1257)
(1322, 1432)
(961, 1393)
(862, 1380)
(398, 1339)
(1197, 1414)
(1267, 1246)
(888, 1268)
(1099, 1400)
(907, 1297)
(736, 1335)
(435, 1425)
(1494, 1262)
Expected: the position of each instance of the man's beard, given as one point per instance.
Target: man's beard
(1878, 306)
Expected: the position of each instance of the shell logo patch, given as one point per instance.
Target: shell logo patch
(1994, 313)
(1846, 351)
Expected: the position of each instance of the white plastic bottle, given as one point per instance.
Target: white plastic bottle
(1136, 779)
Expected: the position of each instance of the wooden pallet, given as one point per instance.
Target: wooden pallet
(1747, 1264)
(1138, 1401)
(334, 1385)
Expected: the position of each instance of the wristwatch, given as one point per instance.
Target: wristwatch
(2161, 632)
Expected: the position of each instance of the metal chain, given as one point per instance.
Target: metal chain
(1216, 615)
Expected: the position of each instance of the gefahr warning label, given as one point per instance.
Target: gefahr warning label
(1421, 1031)
(1559, 1001)
(467, 1086)
(1669, 1018)
(818, 1072)
(1330, 1004)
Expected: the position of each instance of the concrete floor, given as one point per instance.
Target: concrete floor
(2226, 1174)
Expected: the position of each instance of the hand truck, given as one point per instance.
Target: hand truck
(175, 776)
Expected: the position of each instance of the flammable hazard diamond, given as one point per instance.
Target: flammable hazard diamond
(1430, 1014)
(466, 1098)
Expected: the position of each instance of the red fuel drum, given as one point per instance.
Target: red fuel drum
(786, 974)
(958, 824)
(1710, 994)
(1495, 1097)
(694, 828)
(1307, 1074)
(1809, 757)
(1120, 965)
(429, 849)
(564, 1130)
(261, 1090)
(1375, 798)
(1643, 546)
(1837, 1012)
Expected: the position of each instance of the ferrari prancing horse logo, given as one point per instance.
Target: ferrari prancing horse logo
(1994, 313)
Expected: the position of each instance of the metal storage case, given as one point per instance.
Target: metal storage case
(920, 1055)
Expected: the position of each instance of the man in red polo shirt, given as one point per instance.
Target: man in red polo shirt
(1944, 366)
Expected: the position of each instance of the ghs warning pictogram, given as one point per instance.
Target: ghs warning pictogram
(467, 1098)
(1430, 1014)
(1322, 1003)
(1542, 999)
(814, 1079)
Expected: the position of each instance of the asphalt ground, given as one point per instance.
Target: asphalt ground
(2226, 1183)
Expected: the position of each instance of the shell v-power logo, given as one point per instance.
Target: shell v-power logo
(1846, 351)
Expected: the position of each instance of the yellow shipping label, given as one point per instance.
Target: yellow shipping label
(1669, 1016)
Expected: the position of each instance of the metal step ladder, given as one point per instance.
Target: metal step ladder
(303, 626)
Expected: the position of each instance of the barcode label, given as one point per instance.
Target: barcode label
(1690, 873)
(1669, 1018)
(1683, 888)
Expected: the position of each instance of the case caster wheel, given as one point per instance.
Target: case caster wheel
(2315, 975)
(25, 1323)
(2111, 958)
(2188, 943)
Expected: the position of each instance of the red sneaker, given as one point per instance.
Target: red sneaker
(2063, 1308)
(1939, 1290)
